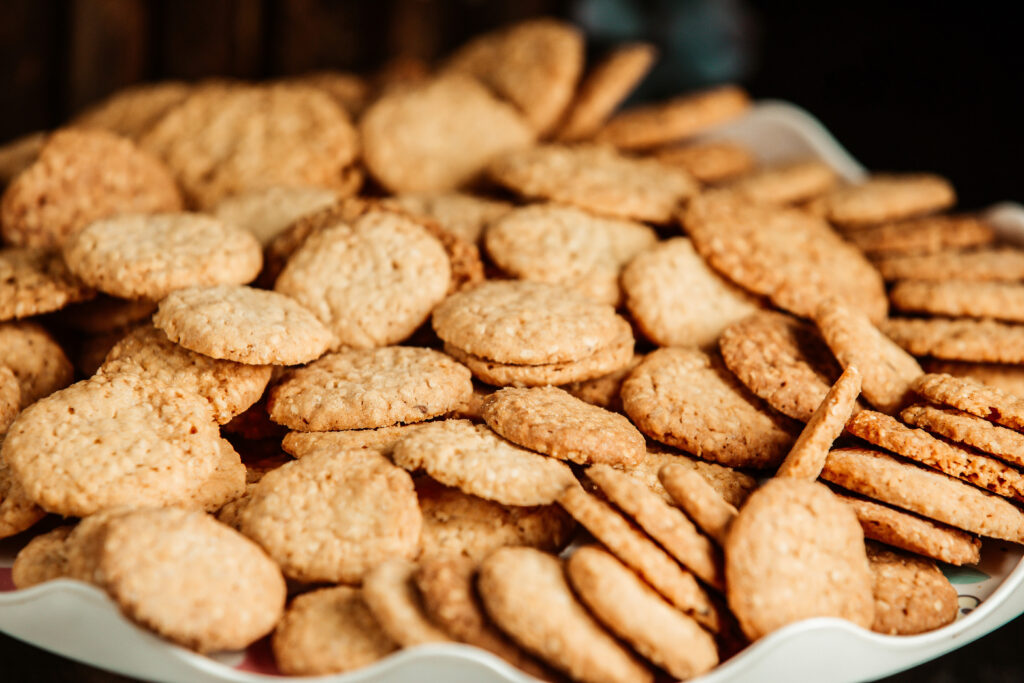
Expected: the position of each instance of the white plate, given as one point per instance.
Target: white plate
(78, 621)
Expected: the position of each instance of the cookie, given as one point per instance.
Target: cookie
(962, 427)
(641, 555)
(456, 523)
(18, 154)
(917, 444)
(676, 300)
(961, 339)
(158, 445)
(957, 298)
(930, 494)
(787, 255)
(974, 398)
(133, 111)
(929, 235)
(10, 398)
(596, 179)
(266, 211)
(603, 391)
(463, 215)
(638, 615)
(227, 139)
(438, 136)
(383, 439)
(911, 594)
(661, 123)
(566, 246)
(826, 424)
(603, 89)
(915, 534)
(368, 388)
(82, 176)
(192, 580)
(394, 600)
(17, 511)
(330, 630)
(887, 371)
(148, 257)
(781, 360)
(884, 198)
(688, 399)
(710, 162)
(35, 281)
(477, 461)
(533, 64)
(995, 264)
(43, 559)
(731, 484)
(1007, 378)
(229, 387)
(664, 523)
(549, 622)
(333, 516)
(796, 552)
(551, 421)
(242, 324)
(372, 282)
(694, 494)
(790, 183)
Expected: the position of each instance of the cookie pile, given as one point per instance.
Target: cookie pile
(358, 358)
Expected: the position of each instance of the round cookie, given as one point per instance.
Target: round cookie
(787, 255)
(979, 341)
(82, 175)
(790, 183)
(604, 87)
(35, 281)
(477, 461)
(368, 388)
(795, 552)
(456, 523)
(962, 427)
(886, 198)
(439, 135)
(911, 594)
(17, 511)
(383, 439)
(710, 162)
(120, 440)
(732, 485)
(929, 235)
(974, 398)
(565, 246)
(43, 559)
(372, 282)
(242, 324)
(330, 630)
(333, 516)
(229, 387)
(150, 256)
(391, 595)
(194, 581)
(464, 215)
(526, 323)
(227, 139)
(596, 179)
(634, 612)
(266, 211)
(984, 265)
(549, 622)
(955, 298)
(661, 123)
(551, 421)
(676, 300)
(133, 111)
(687, 399)
(781, 360)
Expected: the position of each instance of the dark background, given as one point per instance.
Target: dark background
(904, 85)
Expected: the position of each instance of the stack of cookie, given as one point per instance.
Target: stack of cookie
(463, 354)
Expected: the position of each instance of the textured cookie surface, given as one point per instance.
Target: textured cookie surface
(551, 623)
(732, 485)
(81, 176)
(982, 341)
(974, 398)
(911, 594)
(1007, 378)
(999, 263)
(35, 281)
(476, 460)
(372, 282)
(790, 183)
(383, 439)
(603, 391)
(597, 179)
(923, 236)
(795, 552)
(242, 324)
(43, 559)
(687, 399)
(17, 511)
(333, 516)
(10, 398)
(461, 214)
(394, 599)
(549, 420)
(887, 198)
(36, 360)
(710, 162)
(677, 300)
(265, 212)
(369, 388)
(962, 427)
(955, 298)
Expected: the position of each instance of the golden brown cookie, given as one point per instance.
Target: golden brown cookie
(43, 559)
(1007, 378)
(695, 494)
(551, 421)
(790, 183)
(10, 398)
(661, 123)
(710, 162)
(18, 154)
(603, 391)
(383, 439)
(463, 215)
(974, 398)
(394, 600)
(36, 280)
(884, 198)
(688, 399)
(17, 511)
(133, 111)
(731, 484)
(81, 176)
(984, 265)
(961, 339)
(36, 359)
(597, 179)
(676, 300)
(795, 552)
(960, 298)
(526, 594)
(789, 256)
(266, 211)
(962, 427)
(911, 594)
(929, 235)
